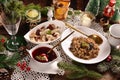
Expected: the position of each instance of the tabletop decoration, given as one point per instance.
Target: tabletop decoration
(116, 16)
(23, 71)
(9, 61)
(23, 65)
(97, 6)
(112, 63)
(4, 74)
(108, 13)
(86, 19)
(77, 70)
(32, 14)
(3, 39)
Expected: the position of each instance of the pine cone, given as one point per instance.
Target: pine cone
(4, 74)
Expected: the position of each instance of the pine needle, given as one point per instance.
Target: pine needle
(93, 74)
(76, 75)
(78, 71)
(70, 67)
(9, 61)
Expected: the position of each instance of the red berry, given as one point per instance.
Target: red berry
(109, 58)
(22, 67)
(2, 40)
(24, 64)
(18, 64)
(28, 68)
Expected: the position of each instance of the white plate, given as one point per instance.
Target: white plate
(55, 22)
(104, 47)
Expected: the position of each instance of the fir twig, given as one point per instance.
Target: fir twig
(70, 67)
(9, 62)
(13, 59)
(78, 71)
(93, 74)
(76, 75)
(115, 52)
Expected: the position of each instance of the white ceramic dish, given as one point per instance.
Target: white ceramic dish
(114, 35)
(47, 67)
(104, 47)
(55, 22)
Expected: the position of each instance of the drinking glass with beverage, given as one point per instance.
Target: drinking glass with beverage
(61, 9)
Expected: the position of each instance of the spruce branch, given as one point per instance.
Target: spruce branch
(113, 65)
(93, 74)
(116, 58)
(9, 61)
(78, 65)
(75, 75)
(103, 67)
(68, 66)
(115, 52)
(78, 71)
(2, 57)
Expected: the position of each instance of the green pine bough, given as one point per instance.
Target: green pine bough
(78, 71)
(9, 61)
(113, 65)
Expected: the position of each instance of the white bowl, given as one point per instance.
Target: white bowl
(58, 23)
(114, 35)
(49, 67)
(44, 45)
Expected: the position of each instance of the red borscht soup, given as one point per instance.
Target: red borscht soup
(40, 54)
